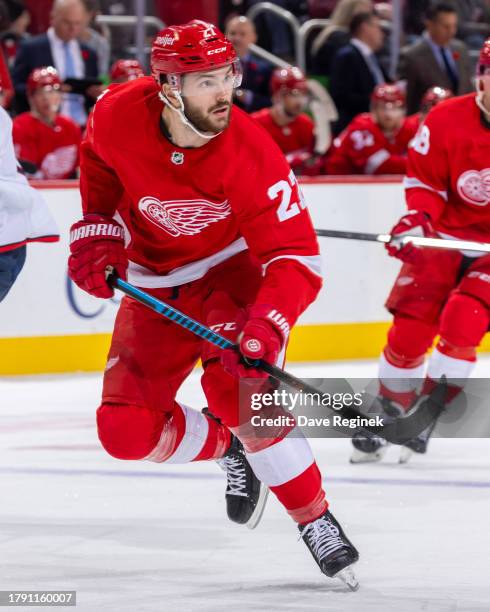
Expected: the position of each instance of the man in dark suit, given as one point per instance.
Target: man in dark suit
(60, 48)
(254, 92)
(437, 59)
(356, 70)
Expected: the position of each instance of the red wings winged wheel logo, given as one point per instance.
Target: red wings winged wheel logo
(183, 217)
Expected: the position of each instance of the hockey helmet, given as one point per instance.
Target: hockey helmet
(126, 70)
(388, 95)
(288, 79)
(192, 47)
(46, 77)
(433, 96)
(483, 66)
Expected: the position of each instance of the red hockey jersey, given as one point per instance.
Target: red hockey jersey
(448, 174)
(188, 209)
(52, 149)
(299, 134)
(362, 148)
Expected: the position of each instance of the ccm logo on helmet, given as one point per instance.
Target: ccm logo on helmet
(213, 51)
(165, 40)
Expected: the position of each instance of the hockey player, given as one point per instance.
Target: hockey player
(375, 142)
(431, 98)
(23, 213)
(287, 123)
(186, 196)
(437, 292)
(124, 70)
(46, 143)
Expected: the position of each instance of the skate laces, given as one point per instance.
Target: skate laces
(323, 536)
(236, 475)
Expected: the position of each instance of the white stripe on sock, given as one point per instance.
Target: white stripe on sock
(282, 461)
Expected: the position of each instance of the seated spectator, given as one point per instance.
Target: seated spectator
(16, 21)
(356, 70)
(60, 48)
(46, 143)
(254, 91)
(375, 142)
(124, 70)
(96, 37)
(287, 123)
(431, 98)
(336, 34)
(436, 59)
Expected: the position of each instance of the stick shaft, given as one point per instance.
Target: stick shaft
(200, 330)
(423, 241)
(392, 433)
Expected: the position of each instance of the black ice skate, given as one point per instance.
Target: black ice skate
(331, 549)
(245, 495)
(369, 447)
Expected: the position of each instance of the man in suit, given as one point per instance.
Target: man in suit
(254, 92)
(356, 70)
(59, 47)
(437, 59)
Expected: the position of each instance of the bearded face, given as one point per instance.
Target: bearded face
(207, 98)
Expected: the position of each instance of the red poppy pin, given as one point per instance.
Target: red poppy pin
(456, 56)
(85, 54)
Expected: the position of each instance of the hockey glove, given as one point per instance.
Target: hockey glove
(95, 243)
(414, 223)
(263, 336)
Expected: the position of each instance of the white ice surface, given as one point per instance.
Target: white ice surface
(137, 536)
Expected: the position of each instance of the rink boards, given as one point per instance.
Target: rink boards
(48, 325)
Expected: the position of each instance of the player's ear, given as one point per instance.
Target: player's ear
(168, 92)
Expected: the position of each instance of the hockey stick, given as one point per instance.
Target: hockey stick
(397, 433)
(433, 243)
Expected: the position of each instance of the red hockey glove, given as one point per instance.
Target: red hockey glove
(414, 223)
(95, 243)
(264, 334)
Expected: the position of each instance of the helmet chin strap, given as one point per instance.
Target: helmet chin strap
(180, 112)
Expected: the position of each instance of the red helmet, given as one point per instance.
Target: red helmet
(191, 47)
(288, 79)
(388, 94)
(45, 77)
(433, 96)
(126, 69)
(484, 59)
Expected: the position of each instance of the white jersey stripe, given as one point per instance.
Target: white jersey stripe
(312, 262)
(410, 182)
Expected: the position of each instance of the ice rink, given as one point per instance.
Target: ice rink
(138, 536)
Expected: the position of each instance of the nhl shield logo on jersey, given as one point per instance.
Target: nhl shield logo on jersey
(474, 186)
(177, 158)
(183, 217)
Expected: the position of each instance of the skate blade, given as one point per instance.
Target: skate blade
(405, 454)
(348, 578)
(254, 520)
(361, 457)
